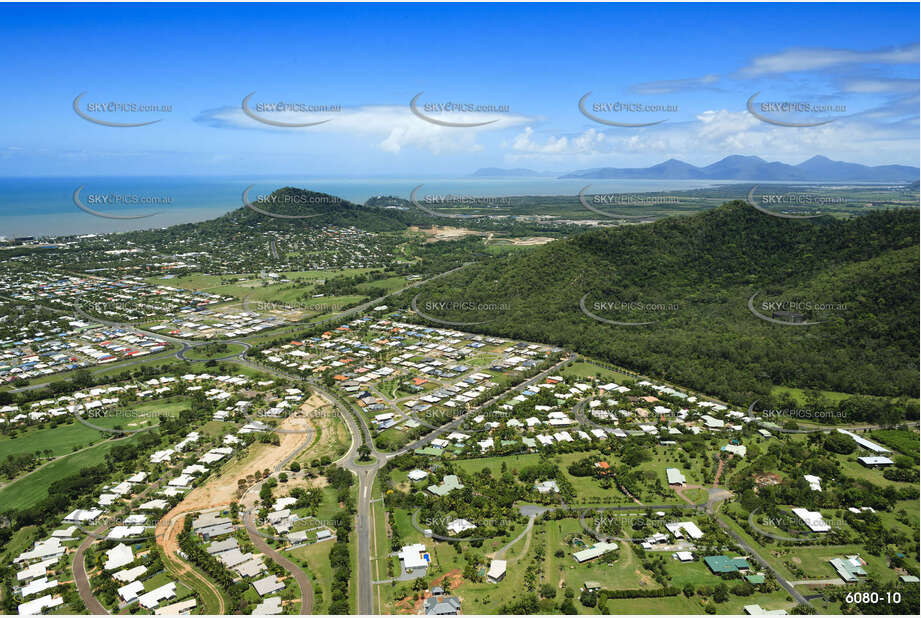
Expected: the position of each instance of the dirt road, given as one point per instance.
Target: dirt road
(221, 489)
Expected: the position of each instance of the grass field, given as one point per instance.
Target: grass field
(315, 561)
(624, 573)
(905, 442)
(61, 439)
(31, 489)
(582, 369)
(65, 437)
(799, 394)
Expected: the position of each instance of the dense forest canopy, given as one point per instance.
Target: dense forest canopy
(700, 272)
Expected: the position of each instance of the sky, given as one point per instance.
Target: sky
(695, 65)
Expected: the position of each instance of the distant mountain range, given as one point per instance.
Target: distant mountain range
(738, 167)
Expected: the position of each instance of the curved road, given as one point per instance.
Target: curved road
(361, 435)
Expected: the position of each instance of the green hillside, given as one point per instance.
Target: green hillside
(699, 272)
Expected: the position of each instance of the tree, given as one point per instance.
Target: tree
(588, 598)
(840, 443)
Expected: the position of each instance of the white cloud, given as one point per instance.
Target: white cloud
(669, 86)
(815, 59)
(880, 85)
(394, 126)
(715, 134)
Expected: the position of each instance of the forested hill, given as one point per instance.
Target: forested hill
(699, 273)
(313, 209)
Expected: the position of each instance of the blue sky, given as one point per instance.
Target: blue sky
(536, 59)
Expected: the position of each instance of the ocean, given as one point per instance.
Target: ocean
(45, 206)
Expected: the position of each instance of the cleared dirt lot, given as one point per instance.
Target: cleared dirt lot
(221, 489)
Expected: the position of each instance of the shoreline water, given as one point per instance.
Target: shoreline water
(44, 207)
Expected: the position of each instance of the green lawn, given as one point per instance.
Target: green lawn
(905, 442)
(61, 439)
(799, 394)
(315, 561)
(31, 489)
(582, 369)
(624, 573)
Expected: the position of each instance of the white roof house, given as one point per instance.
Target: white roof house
(546, 487)
(81, 516)
(268, 607)
(42, 550)
(39, 569)
(40, 604)
(411, 556)
(496, 571)
(812, 519)
(675, 477)
(268, 585)
(119, 556)
(129, 575)
(870, 446)
(152, 599)
(875, 461)
(815, 482)
(181, 608)
(594, 551)
(417, 475)
(129, 592)
(689, 527)
(459, 525)
(39, 585)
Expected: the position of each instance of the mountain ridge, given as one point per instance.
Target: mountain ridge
(818, 168)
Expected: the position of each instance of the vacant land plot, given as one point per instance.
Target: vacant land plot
(582, 369)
